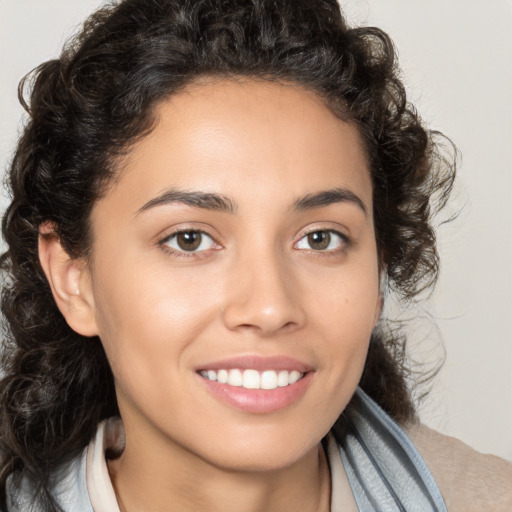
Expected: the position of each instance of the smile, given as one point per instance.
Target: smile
(253, 379)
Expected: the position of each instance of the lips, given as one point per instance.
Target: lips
(257, 384)
(259, 363)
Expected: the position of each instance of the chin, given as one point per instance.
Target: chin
(264, 452)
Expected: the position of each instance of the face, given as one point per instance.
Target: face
(234, 274)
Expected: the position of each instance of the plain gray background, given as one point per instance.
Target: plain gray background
(456, 56)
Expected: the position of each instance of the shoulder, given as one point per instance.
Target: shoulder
(468, 480)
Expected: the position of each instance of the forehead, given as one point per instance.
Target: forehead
(271, 137)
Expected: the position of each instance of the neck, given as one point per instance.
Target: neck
(180, 482)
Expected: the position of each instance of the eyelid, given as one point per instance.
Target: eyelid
(186, 226)
(346, 241)
(170, 234)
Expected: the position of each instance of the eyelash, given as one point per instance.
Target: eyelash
(344, 242)
(163, 243)
(183, 253)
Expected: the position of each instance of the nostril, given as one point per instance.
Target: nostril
(262, 300)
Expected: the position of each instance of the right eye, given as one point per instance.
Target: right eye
(189, 241)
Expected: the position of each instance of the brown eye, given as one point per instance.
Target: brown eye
(319, 240)
(189, 241)
(322, 240)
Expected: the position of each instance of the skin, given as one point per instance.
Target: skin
(256, 287)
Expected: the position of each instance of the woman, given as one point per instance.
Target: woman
(207, 204)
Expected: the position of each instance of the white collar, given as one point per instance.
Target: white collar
(110, 435)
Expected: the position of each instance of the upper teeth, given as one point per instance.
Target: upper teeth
(253, 379)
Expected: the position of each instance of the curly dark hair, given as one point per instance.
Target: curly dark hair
(89, 106)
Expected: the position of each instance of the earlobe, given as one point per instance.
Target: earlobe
(69, 280)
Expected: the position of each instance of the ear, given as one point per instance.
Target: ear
(69, 281)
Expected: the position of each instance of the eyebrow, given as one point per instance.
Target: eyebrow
(327, 197)
(205, 200)
(216, 202)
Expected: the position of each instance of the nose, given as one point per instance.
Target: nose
(263, 296)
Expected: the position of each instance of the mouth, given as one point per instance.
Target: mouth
(252, 378)
(256, 384)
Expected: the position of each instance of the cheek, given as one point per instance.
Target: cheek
(149, 313)
(347, 301)
(346, 315)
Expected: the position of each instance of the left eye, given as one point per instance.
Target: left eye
(323, 240)
(189, 241)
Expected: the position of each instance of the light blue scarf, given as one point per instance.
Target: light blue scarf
(384, 469)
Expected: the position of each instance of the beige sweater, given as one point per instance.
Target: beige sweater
(469, 481)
